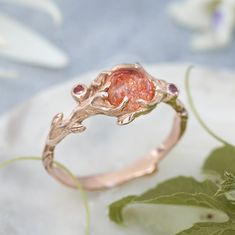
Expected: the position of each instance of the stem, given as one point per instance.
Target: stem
(195, 112)
(13, 160)
(78, 185)
(82, 194)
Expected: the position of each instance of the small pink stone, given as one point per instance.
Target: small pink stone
(173, 89)
(78, 89)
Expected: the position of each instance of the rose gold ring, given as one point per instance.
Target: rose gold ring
(126, 92)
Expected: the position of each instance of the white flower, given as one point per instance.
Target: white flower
(20, 43)
(44, 5)
(214, 19)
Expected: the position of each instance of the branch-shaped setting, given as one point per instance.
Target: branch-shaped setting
(125, 92)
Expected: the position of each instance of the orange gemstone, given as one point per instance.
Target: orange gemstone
(131, 83)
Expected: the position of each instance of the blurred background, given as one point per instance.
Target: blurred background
(44, 43)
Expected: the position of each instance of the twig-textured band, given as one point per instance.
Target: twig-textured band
(126, 92)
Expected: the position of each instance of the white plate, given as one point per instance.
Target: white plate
(31, 202)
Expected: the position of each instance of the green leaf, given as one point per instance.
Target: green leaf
(181, 184)
(184, 191)
(228, 184)
(115, 209)
(185, 199)
(221, 160)
(227, 228)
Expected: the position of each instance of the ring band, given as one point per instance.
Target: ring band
(126, 92)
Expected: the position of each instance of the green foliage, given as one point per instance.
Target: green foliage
(220, 161)
(210, 229)
(228, 184)
(186, 191)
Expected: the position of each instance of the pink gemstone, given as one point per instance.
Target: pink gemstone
(173, 89)
(132, 83)
(78, 89)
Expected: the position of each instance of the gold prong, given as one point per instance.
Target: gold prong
(138, 66)
(127, 66)
(100, 79)
(77, 128)
(125, 119)
(142, 102)
(123, 103)
(106, 85)
(57, 119)
(102, 95)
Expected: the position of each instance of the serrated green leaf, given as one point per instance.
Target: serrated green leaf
(181, 184)
(115, 209)
(228, 184)
(184, 191)
(221, 160)
(185, 199)
(227, 228)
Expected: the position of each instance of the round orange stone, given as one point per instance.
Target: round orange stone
(131, 83)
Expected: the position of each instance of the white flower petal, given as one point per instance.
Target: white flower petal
(193, 14)
(205, 41)
(8, 74)
(44, 5)
(27, 46)
(224, 29)
(215, 20)
(2, 41)
(221, 31)
(210, 41)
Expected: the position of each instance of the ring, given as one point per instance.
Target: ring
(125, 92)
